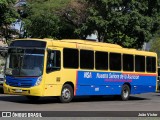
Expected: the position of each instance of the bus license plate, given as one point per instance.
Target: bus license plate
(18, 90)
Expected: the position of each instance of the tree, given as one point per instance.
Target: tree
(54, 18)
(155, 45)
(8, 15)
(129, 23)
(74, 14)
(43, 19)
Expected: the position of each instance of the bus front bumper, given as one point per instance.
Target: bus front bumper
(32, 91)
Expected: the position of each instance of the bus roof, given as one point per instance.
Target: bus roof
(91, 45)
(86, 42)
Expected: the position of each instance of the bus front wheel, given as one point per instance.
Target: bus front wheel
(66, 94)
(125, 92)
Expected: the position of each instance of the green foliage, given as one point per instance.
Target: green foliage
(43, 19)
(43, 26)
(8, 15)
(129, 23)
(155, 45)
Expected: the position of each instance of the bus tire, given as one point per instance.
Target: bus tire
(125, 92)
(66, 94)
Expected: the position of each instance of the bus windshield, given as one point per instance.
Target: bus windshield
(25, 63)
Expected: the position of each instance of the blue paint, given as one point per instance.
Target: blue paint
(21, 81)
(110, 83)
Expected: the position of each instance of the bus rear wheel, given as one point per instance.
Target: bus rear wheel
(66, 94)
(125, 92)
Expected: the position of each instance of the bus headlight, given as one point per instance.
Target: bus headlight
(38, 81)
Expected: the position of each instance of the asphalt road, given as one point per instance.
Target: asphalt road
(141, 102)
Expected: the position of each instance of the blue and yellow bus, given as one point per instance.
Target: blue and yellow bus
(68, 68)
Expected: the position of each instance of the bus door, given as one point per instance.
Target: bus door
(52, 78)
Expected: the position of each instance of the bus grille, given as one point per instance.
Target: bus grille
(21, 82)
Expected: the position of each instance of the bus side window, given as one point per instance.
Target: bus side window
(128, 62)
(139, 63)
(115, 61)
(70, 58)
(151, 64)
(53, 60)
(101, 60)
(86, 59)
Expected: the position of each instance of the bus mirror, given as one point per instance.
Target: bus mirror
(52, 56)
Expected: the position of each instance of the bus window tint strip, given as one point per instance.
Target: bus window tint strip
(28, 43)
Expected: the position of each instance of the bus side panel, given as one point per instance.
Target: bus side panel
(54, 81)
(52, 87)
(97, 90)
(145, 83)
(97, 83)
(110, 83)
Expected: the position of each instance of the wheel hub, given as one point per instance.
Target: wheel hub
(66, 94)
(125, 93)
